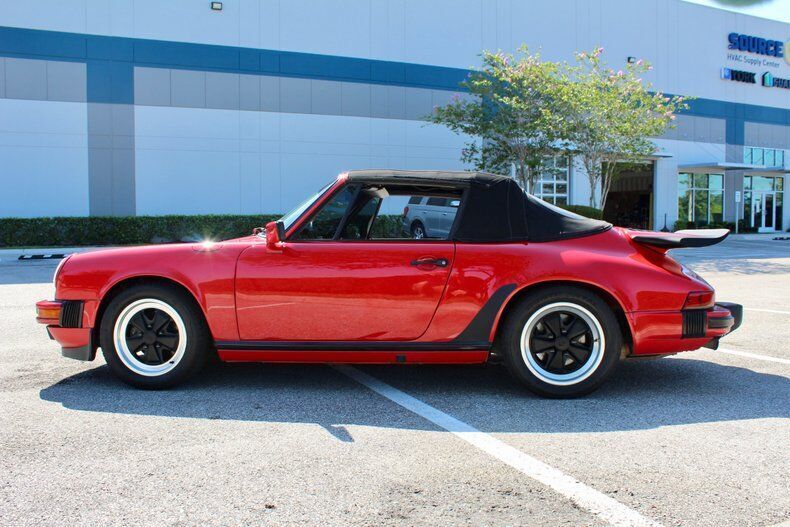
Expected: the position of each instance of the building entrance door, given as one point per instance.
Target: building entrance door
(764, 211)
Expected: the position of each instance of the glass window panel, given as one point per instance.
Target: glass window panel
(561, 200)
(684, 207)
(780, 158)
(780, 183)
(757, 156)
(779, 210)
(717, 206)
(547, 188)
(683, 182)
(762, 183)
(325, 223)
(747, 155)
(716, 181)
(768, 160)
(747, 182)
(700, 181)
(562, 188)
(700, 207)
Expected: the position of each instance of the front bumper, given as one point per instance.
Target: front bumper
(63, 319)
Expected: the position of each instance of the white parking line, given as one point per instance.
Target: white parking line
(767, 310)
(754, 356)
(586, 497)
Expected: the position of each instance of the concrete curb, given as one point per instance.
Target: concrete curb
(14, 254)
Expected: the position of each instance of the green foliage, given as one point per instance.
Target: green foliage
(583, 210)
(613, 116)
(127, 230)
(388, 227)
(514, 114)
(521, 110)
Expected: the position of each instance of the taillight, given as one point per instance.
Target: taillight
(405, 211)
(699, 300)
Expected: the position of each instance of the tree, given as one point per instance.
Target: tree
(613, 118)
(514, 113)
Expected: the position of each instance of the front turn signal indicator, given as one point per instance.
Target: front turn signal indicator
(48, 310)
(699, 300)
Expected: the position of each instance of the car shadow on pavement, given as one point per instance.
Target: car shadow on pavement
(642, 395)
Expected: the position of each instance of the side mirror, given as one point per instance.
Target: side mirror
(275, 235)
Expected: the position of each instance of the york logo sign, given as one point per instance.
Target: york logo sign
(738, 75)
(752, 44)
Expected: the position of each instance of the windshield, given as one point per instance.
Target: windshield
(292, 216)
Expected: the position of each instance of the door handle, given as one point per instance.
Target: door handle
(438, 262)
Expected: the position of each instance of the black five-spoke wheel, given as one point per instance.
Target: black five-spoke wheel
(152, 336)
(561, 342)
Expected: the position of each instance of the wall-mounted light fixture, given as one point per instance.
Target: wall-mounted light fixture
(216, 6)
(631, 60)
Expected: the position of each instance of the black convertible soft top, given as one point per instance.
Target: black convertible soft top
(494, 208)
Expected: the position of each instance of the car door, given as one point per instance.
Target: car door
(340, 290)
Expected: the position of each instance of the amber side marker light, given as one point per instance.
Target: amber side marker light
(699, 300)
(50, 310)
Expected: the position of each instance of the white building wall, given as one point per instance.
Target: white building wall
(43, 158)
(685, 42)
(215, 160)
(201, 161)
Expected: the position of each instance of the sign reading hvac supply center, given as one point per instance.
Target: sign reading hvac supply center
(758, 52)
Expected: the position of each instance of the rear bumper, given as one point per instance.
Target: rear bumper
(725, 317)
(64, 325)
(667, 332)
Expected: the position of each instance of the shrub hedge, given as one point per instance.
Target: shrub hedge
(133, 230)
(124, 230)
(583, 210)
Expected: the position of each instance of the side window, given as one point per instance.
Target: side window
(398, 220)
(324, 224)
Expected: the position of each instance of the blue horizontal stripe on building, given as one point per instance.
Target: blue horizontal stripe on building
(110, 61)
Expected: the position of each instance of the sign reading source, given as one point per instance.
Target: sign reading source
(758, 45)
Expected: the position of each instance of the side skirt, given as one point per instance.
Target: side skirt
(354, 356)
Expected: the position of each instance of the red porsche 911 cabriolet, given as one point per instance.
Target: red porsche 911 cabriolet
(559, 298)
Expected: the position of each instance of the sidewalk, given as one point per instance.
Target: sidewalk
(763, 236)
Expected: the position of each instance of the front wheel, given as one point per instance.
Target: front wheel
(153, 336)
(563, 342)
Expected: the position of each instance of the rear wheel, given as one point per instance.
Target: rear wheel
(563, 342)
(417, 230)
(154, 336)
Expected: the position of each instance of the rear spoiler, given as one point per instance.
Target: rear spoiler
(680, 239)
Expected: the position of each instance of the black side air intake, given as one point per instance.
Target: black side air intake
(71, 314)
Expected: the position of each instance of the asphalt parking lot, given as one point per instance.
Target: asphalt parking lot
(702, 438)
